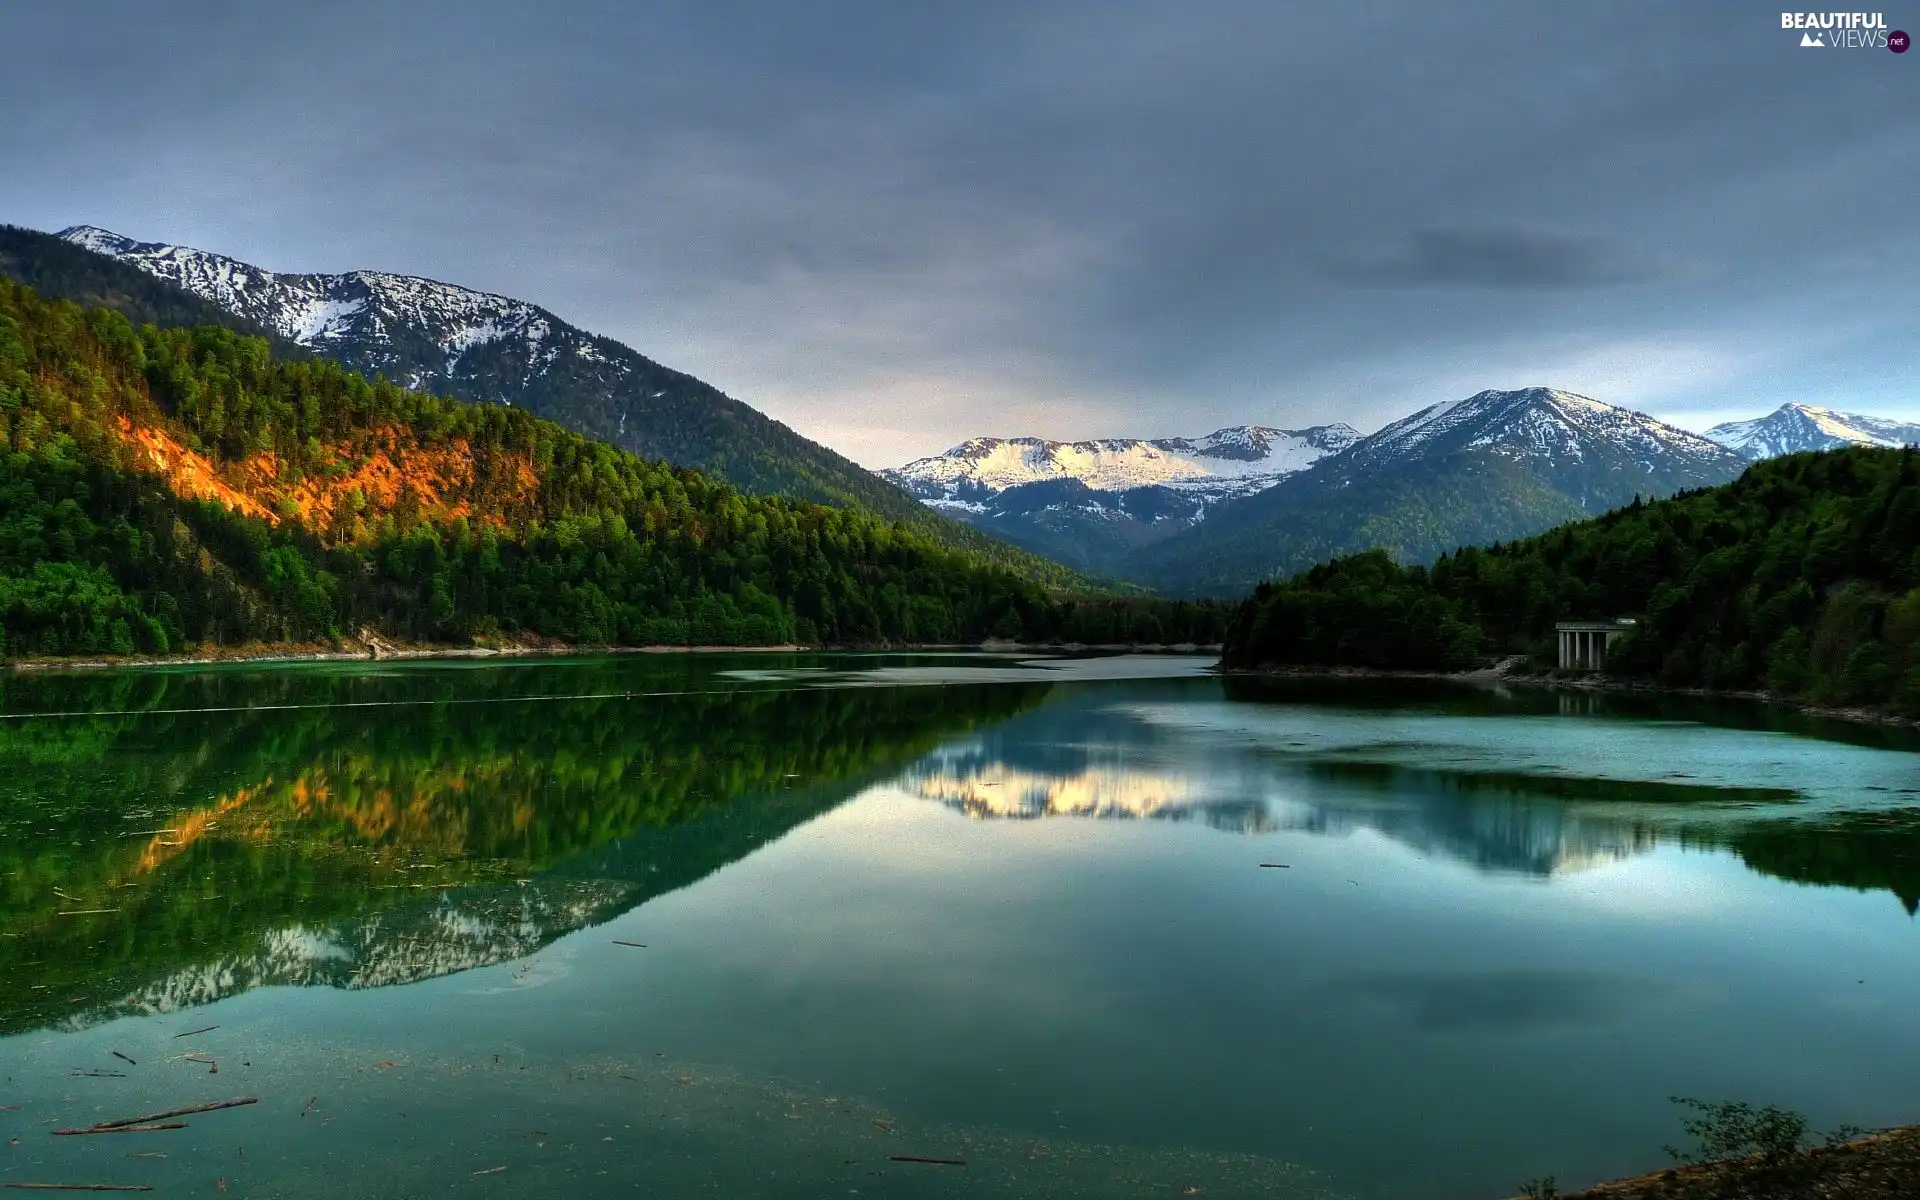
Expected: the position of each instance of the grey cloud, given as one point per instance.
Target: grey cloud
(1506, 1002)
(897, 226)
(1494, 258)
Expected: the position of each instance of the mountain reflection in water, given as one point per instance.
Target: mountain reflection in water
(164, 857)
(1510, 828)
(208, 834)
(1541, 822)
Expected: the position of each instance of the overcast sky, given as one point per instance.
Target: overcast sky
(896, 225)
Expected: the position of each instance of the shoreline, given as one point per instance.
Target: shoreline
(1880, 1165)
(1506, 672)
(378, 649)
(372, 648)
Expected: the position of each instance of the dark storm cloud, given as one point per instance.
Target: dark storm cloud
(1512, 258)
(894, 226)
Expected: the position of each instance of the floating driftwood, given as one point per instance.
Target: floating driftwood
(124, 1058)
(189, 1110)
(1281, 866)
(937, 1162)
(120, 1129)
(191, 1032)
(635, 945)
(101, 1074)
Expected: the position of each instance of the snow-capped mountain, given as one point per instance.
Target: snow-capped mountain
(1792, 428)
(371, 316)
(1540, 424)
(1226, 462)
(1495, 466)
(439, 337)
(1085, 503)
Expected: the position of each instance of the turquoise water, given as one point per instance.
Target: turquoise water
(1004, 912)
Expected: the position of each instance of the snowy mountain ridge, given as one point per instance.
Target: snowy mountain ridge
(1535, 422)
(368, 309)
(1160, 512)
(1793, 428)
(1228, 462)
(1491, 467)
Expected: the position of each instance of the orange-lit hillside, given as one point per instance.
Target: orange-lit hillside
(385, 470)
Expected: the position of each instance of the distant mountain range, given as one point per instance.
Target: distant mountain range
(1489, 468)
(1493, 466)
(438, 337)
(1792, 428)
(1213, 516)
(1086, 503)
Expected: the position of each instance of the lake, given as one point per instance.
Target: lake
(780, 925)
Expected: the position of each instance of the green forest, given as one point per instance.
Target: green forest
(627, 399)
(1801, 578)
(162, 489)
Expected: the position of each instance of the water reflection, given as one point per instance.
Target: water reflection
(1086, 756)
(1865, 851)
(980, 781)
(360, 829)
(158, 859)
(1506, 824)
(1502, 1001)
(1009, 921)
(406, 943)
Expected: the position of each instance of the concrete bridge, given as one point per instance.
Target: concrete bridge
(1583, 644)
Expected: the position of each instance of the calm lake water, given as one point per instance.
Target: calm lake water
(1001, 911)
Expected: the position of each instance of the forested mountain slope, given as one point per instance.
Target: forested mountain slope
(160, 488)
(1802, 577)
(437, 337)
